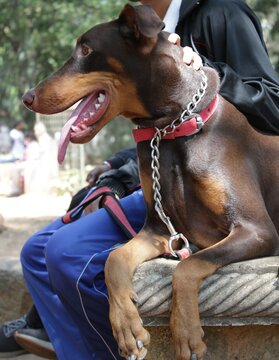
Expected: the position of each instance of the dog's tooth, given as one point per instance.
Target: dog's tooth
(97, 106)
(92, 113)
(101, 98)
(74, 128)
(83, 126)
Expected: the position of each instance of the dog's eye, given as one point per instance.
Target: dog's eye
(85, 50)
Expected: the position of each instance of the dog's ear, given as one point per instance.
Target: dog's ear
(140, 23)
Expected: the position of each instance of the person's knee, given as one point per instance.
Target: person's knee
(58, 261)
(31, 252)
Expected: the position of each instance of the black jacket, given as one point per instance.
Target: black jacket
(228, 36)
(123, 178)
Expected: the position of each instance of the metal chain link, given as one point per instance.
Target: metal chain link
(187, 114)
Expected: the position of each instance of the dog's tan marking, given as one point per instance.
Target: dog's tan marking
(213, 193)
(116, 65)
(59, 92)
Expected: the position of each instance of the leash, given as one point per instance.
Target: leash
(188, 123)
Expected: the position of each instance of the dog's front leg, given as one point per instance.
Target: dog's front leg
(245, 241)
(126, 323)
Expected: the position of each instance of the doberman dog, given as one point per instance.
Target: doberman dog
(217, 184)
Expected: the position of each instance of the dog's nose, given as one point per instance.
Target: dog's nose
(28, 98)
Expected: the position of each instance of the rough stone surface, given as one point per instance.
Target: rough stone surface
(2, 225)
(241, 293)
(223, 343)
(14, 297)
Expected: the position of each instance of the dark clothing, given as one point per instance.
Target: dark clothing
(121, 157)
(228, 36)
(124, 176)
(122, 179)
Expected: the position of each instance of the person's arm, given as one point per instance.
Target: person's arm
(121, 181)
(121, 157)
(115, 162)
(230, 38)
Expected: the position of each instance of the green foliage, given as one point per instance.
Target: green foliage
(268, 12)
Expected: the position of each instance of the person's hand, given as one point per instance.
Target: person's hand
(94, 174)
(189, 56)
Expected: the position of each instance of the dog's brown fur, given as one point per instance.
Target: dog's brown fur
(219, 187)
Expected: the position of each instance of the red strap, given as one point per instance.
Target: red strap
(188, 128)
(113, 206)
(76, 212)
(182, 254)
(110, 203)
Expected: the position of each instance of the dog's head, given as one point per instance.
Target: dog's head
(126, 66)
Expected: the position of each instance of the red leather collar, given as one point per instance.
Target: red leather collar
(187, 128)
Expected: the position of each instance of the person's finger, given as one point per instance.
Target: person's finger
(92, 176)
(197, 61)
(188, 55)
(174, 39)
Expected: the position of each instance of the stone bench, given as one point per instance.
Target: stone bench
(239, 307)
(14, 297)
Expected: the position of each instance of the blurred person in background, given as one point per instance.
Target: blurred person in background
(45, 175)
(17, 137)
(12, 143)
(37, 171)
(22, 172)
(5, 141)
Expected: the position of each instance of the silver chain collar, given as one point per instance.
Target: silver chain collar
(187, 114)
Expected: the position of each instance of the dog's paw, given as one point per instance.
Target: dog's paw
(128, 330)
(187, 339)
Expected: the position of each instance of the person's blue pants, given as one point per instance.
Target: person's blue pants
(63, 266)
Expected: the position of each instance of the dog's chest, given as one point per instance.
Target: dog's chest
(198, 209)
(194, 196)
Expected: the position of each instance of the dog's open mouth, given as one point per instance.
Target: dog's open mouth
(81, 123)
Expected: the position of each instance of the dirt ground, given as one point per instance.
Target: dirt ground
(22, 216)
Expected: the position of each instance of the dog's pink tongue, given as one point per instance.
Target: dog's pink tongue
(66, 130)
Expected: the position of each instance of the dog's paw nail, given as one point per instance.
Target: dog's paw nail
(132, 357)
(135, 299)
(139, 344)
(120, 352)
(194, 357)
